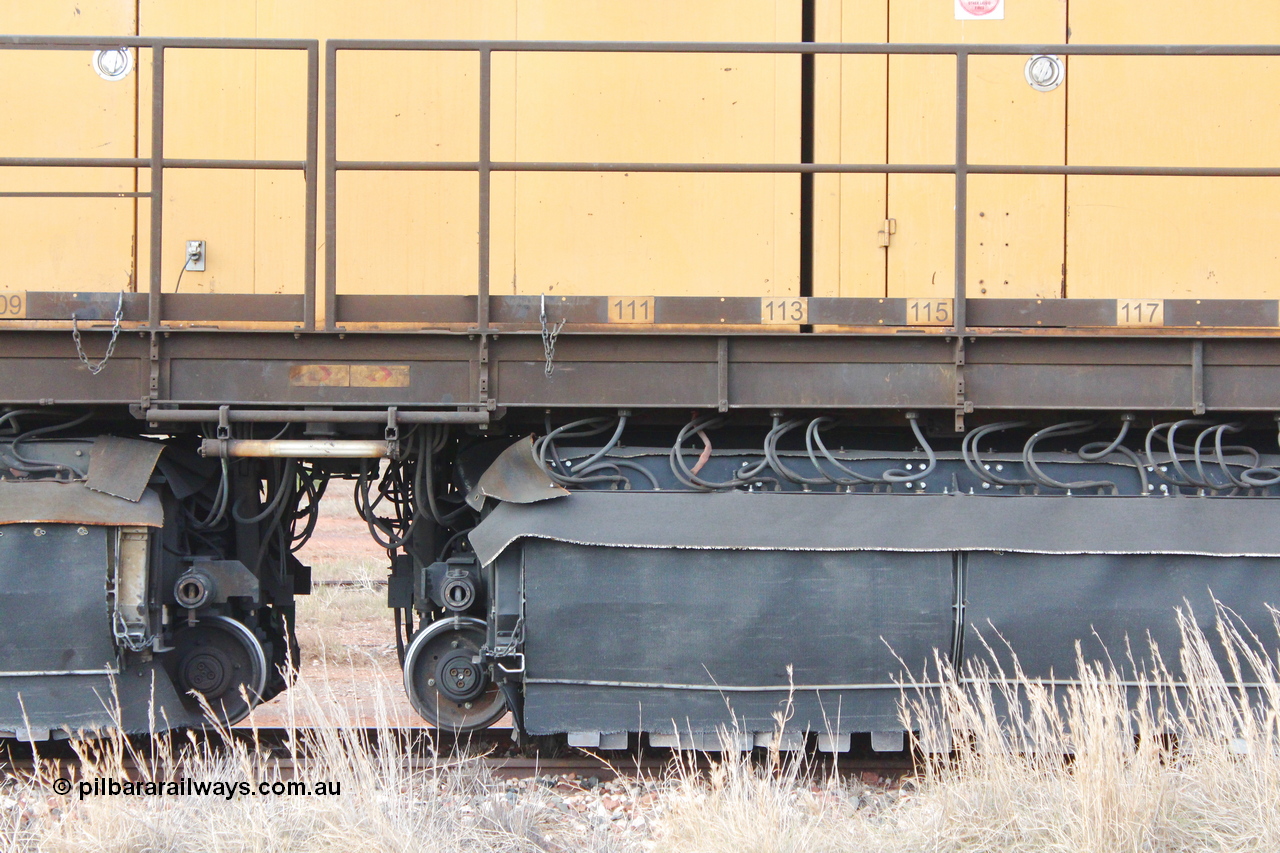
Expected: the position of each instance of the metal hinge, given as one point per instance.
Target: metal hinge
(890, 228)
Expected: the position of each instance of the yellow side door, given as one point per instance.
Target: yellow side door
(1174, 237)
(398, 232)
(850, 127)
(210, 112)
(646, 233)
(1015, 223)
(56, 105)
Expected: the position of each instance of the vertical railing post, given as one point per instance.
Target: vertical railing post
(157, 184)
(808, 117)
(485, 161)
(309, 237)
(962, 187)
(330, 185)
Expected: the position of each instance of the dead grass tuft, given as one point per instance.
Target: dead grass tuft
(1097, 766)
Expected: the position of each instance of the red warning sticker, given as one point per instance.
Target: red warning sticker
(979, 10)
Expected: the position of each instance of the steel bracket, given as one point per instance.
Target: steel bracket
(153, 386)
(482, 375)
(722, 374)
(962, 405)
(1197, 377)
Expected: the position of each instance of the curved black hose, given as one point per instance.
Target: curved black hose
(14, 413)
(424, 481)
(775, 462)
(898, 475)
(1059, 430)
(365, 509)
(979, 468)
(1173, 455)
(616, 465)
(34, 465)
(1263, 477)
(1172, 428)
(813, 436)
(745, 476)
(218, 511)
(399, 638)
(285, 485)
(1205, 481)
(1094, 455)
(313, 493)
(1219, 451)
(1095, 451)
(444, 549)
(558, 470)
(637, 467)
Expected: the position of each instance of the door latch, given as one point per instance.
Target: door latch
(890, 228)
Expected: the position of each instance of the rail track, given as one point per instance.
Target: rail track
(493, 751)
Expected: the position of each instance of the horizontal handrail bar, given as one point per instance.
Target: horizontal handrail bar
(147, 162)
(802, 48)
(79, 42)
(74, 194)
(802, 168)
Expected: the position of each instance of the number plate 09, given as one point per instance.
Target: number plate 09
(13, 306)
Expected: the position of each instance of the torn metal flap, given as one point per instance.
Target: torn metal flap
(122, 466)
(49, 502)
(515, 477)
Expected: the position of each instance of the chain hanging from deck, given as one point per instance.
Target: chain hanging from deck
(95, 369)
(549, 336)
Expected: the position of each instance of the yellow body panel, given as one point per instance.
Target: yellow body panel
(399, 233)
(55, 105)
(1015, 249)
(651, 234)
(556, 233)
(646, 233)
(1211, 238)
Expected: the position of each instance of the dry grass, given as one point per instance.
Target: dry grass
(1191, 770)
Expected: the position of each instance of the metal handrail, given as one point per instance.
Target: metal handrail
(157, 162)
(484, 165)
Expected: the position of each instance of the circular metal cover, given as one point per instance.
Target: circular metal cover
(1045, 73)
(223, 657)
(113, 63)
(431, 648)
